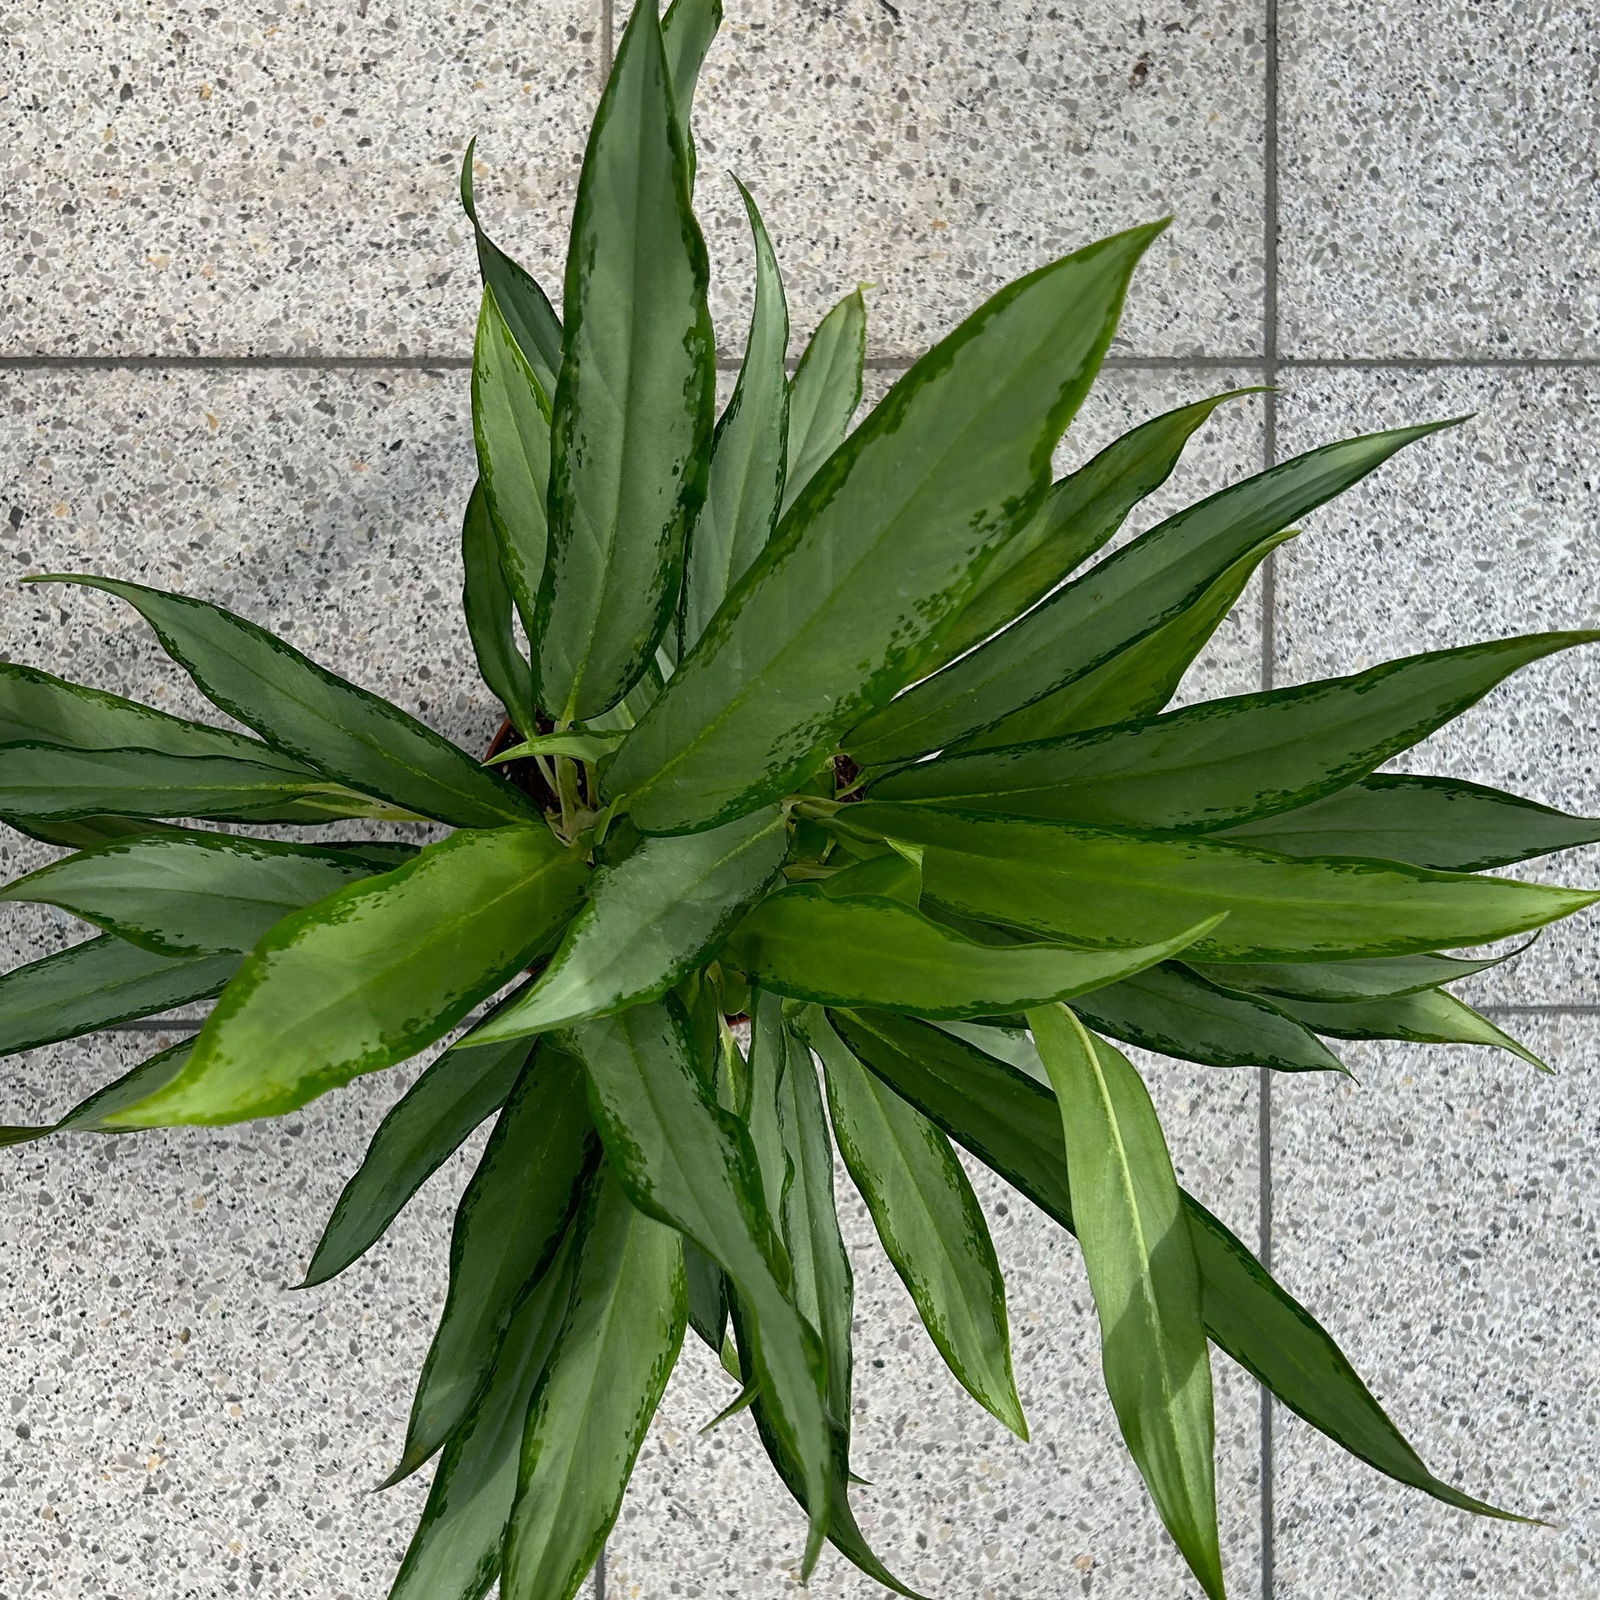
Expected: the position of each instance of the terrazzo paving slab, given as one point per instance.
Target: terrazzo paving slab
(173, 1419)
(1442, 1217)
(957, 1507)
(229, 178)
(1437, 182)
(939, 149)
(1485, 531)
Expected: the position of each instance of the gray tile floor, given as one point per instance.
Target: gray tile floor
(238, 300)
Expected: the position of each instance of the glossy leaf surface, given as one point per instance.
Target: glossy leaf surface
(1099, 888)
(1351, 980)
(372, 974)
(881, 547)
(1426, 1017)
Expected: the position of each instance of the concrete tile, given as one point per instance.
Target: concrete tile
(1479, 533)
(957, 1506)
(231, 178)
(1441, 1218)
(174, 1419)
(938, 150)
(1437, 193)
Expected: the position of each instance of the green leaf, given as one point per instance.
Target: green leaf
(527, 311)
(1228, 761)
(189, 893)
(1105, 889)
(893, 875)
(747, 453)
(509, 1225)
(825, 392)
(686, 1161)
(511, 428)
(929, 1222)
(1117, 602)
(807, 944)
(579, 746)
(83, 833)
(648, 920)
(425, 1127)
(1137, 681)
(487, 604)
(54, 782)
(1352, 980)
(1426, 1017)
(632, 412)
(306, 711)
(455, 1554)
(1128, 1213)
(87, 1115)
(1012, 1123)
(885, 543)
(98, 983)
(1078, 516)
(372, 974)
(592, 1409)
(1430, 822)
(1182, 1014)
(687, 31)
(36, 708)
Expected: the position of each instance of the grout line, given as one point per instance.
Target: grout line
(1269, 656)
(1495, 363)
(318, 363)
(600, 1575)
(608, 51)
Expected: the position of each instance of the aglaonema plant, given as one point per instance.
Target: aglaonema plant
(816, 727)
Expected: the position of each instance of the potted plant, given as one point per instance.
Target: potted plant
(850, 732)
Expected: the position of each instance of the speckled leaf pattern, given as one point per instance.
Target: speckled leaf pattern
(372, 974)
(1352, 980)
(632, 408)
(1426, 1017)
(809, 945)
(879, 550)
(1102, 888)
(929, 1221)
(1128, 1214)
(317, 717)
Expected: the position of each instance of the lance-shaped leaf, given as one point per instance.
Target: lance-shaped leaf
(426, 1126)
(929, 1222)
(747, 453)
(488, 607)
(1128, 1214)
(189, 893)
(526, 308)
(648, 920)
(1101, 888)
(97, 983)
(455, 1553)
(1351, 980)
(1430, 822)
(36, 708)
(1228, 761)
(1138, 681)
(83, 833)
(601, 1386)
(372, 974)
(511, 428)
(1081, 512)
(509, 1225)
(825, 392)
(87, 1115)
(1118, 601)
(351, 735)
(870, 950)
(892, 875)
(1179, 1013)
(1012, 1123)
(686, 1161)
(1426, 1017)
(687, 31)
(632, 413)
(50, 781)
(845, 603)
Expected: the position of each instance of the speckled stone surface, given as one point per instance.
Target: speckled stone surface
(1438, 194)
(957, 1506)
(1484, 531)
(237, 178)
(173, 1419)
(939, 148)
(1442, 1218)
